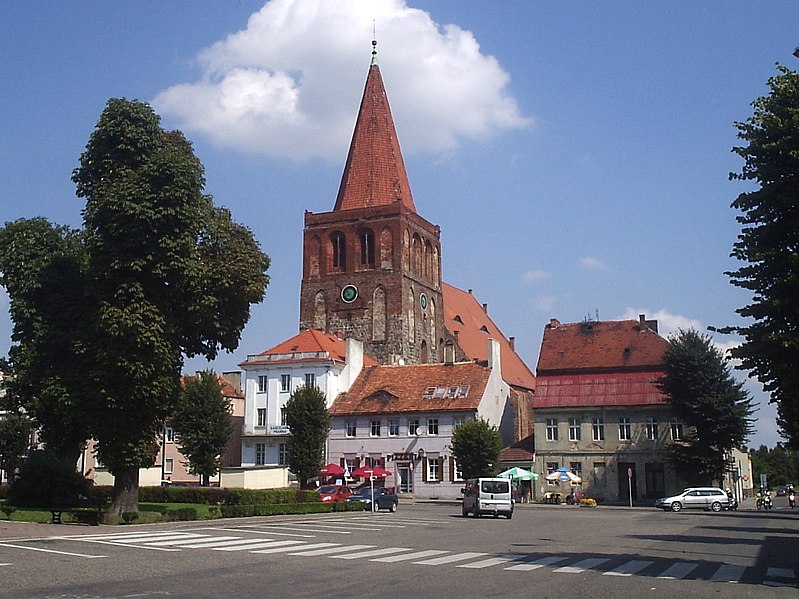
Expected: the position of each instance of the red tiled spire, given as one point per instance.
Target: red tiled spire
(375, 172)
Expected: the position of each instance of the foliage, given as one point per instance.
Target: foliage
(202, 423)
(769, 245)
(309, 423)
(476, 445)
(780, 465)
(714, 406)
(45, 478)
(15, 433)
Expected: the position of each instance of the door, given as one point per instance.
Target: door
(625, 481)
(405, 474)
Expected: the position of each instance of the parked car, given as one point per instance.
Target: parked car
(382, 498)
(706, 498)
(487, 496)
(783, 491)
(334, 492)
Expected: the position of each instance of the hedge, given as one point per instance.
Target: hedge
(275, 509)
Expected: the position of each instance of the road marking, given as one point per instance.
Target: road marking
(581, 566)
(374, 553)
(679, 570)
(447, 559)
(780, 573)
(409, 556)
(138, 536)
(179, 542)
(225, 542)
(727, 573)
(539, 563)
(254, 530)
(493, 561)
(260, 545)
(329, 550)
(42, 550)
(287, 549)
(628, 569)
(337, 532)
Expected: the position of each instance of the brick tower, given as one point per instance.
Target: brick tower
(372, 266)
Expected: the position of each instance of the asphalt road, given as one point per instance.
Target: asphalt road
(423, 550)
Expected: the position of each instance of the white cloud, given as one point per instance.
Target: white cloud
(289, 84)
(668, 323)
(535, 275)
(546, 303)
(591, 263)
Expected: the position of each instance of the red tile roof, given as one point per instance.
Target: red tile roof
(603, 345)
(520, 451)
(309, 345)
(375, 172)
(401, 389)
(470, 324)
(598, 389)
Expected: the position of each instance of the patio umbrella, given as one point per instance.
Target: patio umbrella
(517, 473)
(563, 475)
(331, 470)
(371, 472)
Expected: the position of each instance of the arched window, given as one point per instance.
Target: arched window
(406, 250)
(367, 247)
(379, 314)
(428, 260)
(314, 257)
(411, 316)
(436, 276)
(320, 311)
(338, 248)
(423, 353)
(416, 255)
(386, 249)
(432, 319)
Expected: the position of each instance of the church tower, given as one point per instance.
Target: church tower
(372, 266)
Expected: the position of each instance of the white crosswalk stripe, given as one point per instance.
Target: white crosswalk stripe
(329, 550)
(727, 573)
(629, 568)
(679, 570)
(409, 556)
(184, 542)
(258, 546)
(448, 559)
(493, 561)
(582, 566)
(373, 553)
(292, 548)
(539, 563)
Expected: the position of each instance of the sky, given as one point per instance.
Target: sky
(575, 155)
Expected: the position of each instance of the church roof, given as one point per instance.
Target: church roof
(309, 345)
(375, 172)
(469, 323)
(414, 388)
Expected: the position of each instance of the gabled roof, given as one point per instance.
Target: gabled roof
(520, 451)
(621, 345)
(469, 322)
(598, 389)
(375, 172)
(414, 388)
(309, 345)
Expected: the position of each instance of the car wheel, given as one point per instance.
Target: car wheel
(510, 515)
(392, 508)
(676, 506)
(715, 506)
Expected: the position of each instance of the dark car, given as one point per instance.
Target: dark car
(334, 492)
(382, 498)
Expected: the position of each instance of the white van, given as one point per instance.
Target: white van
(487, 496)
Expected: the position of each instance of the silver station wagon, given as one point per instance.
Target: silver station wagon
(706, 498)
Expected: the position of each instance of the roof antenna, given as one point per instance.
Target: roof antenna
(374, 44)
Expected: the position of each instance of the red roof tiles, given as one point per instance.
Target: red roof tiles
(308, 345)
(375, 172)
(599, 389)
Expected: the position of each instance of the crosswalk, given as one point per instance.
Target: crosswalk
(608, 565)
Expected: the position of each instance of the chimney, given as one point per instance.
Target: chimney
(554, 323)
(512, 342)
(485, 308)
(493, 355)
(353, 362)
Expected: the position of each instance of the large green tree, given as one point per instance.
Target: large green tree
(309, 423)
(15, 438)
(476, 445)
(163, 275)
(715, 407)
(780, 465)
(769, 245)
(202, 424)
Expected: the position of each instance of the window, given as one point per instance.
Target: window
(339, 248)
(283, 416)
(651, 428)
(413, 425)
(169, 465)
(367, 239)
(624, 429)
(261, 417)
(599, 473)
(169, 435)
(285, 383)
(260, 454)
(676, 429)
(598, 429)
(552, 429)
(574, 429)
(393, 428)
(432, 426)
(352, 429)
(457, 421)
(552, 466)
(433, 474)
(282, 454)
(576, 468)
(310, 380)
(457, 471)
(374, 428)
(263, 381)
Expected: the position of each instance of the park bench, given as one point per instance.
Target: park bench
(83, 509)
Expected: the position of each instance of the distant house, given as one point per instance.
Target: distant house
(401, 418)
(598, 411)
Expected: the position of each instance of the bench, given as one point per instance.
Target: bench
(84, 510)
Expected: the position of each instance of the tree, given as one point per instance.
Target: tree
(163, 274)
(476, 445)
(15, 437)
(309, 423)
(715, 407)
(780, 465)
(769, 244)
(202, 424)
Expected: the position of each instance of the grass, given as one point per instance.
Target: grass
(148, 513)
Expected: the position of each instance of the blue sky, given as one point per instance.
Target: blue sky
(575, 155)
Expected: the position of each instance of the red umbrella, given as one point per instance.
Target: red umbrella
(331, 470)
(369, 471)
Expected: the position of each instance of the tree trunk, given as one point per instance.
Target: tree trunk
(126, 492)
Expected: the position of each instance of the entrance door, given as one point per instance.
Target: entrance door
(405, 474)
(625, 481)
(655, 480)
